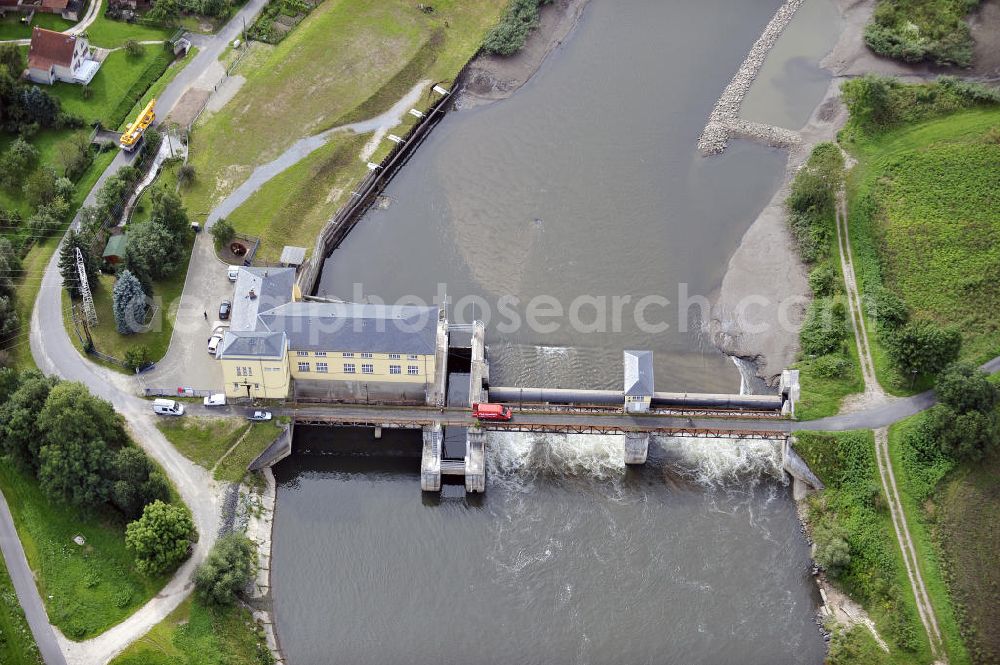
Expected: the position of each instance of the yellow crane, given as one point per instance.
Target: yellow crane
(134, 130)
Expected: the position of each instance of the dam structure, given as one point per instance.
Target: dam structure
(454, 440)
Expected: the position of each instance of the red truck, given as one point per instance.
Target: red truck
(490, 411)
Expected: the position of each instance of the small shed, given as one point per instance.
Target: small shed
(292, 257)
(114, 251)
(638, 381)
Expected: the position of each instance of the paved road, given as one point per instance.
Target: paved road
(55, 354)
(27, 592)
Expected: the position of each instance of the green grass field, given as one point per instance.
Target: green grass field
(332, 56)
(875, 576)
(203, 440)
(86, 589)
(166, 293)
(292, 208)
(118, 73)
(17, 645)
(112, 34)
(12, 28)
(209, 442)
(925, 220)
(194, 634)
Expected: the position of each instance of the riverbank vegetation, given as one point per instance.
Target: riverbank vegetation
(17, 644)
(197, 634)
(916, 30)
(829, 367)
(509, 35)
(925, 223)
(73, 480)
(947, 461)
(268, 113)
(856, 545)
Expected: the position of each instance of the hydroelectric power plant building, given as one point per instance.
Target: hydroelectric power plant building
(279, 345)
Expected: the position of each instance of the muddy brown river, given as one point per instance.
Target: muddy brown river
(584, 185)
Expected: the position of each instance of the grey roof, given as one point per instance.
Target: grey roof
(293, 256)
(320, 326)
(269, 288)
(251, 344)
(638, 373)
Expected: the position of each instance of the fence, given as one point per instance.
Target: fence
(370, 188)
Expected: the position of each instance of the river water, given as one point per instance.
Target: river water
(585, 183)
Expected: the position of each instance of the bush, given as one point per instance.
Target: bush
(886, 309)
(913, 31)
(228, 569)
(510, 34)
(825, 327)
(832, 550)
(832, 366)
(137, 357)
(186, 175)
(923, 347)
(161, 538)
(811, 202)
(824, 280)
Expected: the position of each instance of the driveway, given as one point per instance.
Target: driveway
(187, 362)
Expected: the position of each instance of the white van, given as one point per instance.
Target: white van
(168, 407)
(233, 273)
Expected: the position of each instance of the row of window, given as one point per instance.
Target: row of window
(350, 354)
(366, 368)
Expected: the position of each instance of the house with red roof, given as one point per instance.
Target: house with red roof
(54, 56)
(68, 9)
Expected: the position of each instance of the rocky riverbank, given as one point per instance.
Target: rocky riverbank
(490, 77)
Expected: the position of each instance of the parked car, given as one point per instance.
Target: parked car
(168, 407)
(233, 273)
(213, 343)
(218, 399)
(224, 309)
(259, 416)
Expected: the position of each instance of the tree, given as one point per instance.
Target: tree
(228, 569)
(161, 538)
(67, 263)
(80, 436)
(886, 309)
(20, 432)
(128, 301)
(17, 161)
(222, 233)
(186, 174)
(10, 265)
(923, 347)
(152, 250)
(11, 61)
(964, 388)
(133, 48)
(40, 186)
(136, 482)
(169, 212)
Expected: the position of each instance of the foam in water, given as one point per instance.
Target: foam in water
(718, 463)
(514, 459)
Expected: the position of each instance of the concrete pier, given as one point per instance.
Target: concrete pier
(475, 461)
(636, 447)
(430, 459)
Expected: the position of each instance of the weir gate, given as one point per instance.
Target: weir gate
(454, 443)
